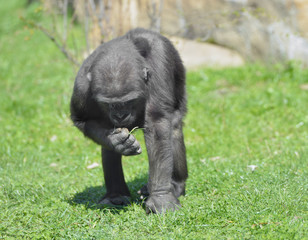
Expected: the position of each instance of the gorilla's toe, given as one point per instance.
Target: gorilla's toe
(160, 203)
(115, 201)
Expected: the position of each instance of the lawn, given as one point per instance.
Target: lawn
(246, 134)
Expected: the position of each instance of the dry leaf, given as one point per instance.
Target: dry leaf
(304, 86)
(215, 158)
(252, 167)
(53, 138)
(93, 165)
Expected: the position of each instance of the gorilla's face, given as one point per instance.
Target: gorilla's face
(118, 85)
(122, 103)
(124, 113)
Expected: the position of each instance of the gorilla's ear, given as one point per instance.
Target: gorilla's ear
(146, 74)
(89, 76)
(143, 46)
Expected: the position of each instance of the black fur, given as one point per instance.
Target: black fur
(135, 80)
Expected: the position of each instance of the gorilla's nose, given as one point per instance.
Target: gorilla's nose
(120, 116)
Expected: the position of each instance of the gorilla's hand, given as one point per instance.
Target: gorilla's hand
(123, 142)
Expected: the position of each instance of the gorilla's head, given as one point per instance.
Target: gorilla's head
(118, 83)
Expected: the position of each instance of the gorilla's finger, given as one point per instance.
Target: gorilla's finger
(130, 141)
(123, 135)
(117, 130)
(132, 151)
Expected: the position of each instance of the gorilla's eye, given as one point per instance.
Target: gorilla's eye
(130, 102)
(117, 105)
(103, 105)
(112, 105)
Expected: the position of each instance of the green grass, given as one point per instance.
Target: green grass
(237, 117)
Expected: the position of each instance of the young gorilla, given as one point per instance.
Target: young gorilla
(135, 80)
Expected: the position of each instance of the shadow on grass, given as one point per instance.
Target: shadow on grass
(91, 196)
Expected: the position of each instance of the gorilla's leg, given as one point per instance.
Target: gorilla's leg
(117, 190)
(159, 147)
(179, 174)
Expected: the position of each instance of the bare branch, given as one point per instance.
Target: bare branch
(92, 4)
(182, 20)
(154, 13)
(64, 37)
(99, 14)
(86, 26)
(62, 48)
(54, 40)
(71, 33)
(110, 27)
(161, 4)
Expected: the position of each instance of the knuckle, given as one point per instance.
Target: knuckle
(125, 130)
(126, 153)
(119, 148)
(131, 140)
(116, 131)
(136, 144)
(114, 142)
(123, 137)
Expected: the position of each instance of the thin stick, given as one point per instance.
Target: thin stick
(86, 26)
(53, 39)
(64, 37)
(135, 128)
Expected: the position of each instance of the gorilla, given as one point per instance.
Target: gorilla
(137, 80)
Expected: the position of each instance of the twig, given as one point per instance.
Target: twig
(135, 128)
(154, 13)
(99, 15)
(86, 26)
(161, 4)
(71, 33)
(54, 40)
(65, 4)
(63, 50)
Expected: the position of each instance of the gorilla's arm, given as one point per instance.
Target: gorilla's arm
(118, 140)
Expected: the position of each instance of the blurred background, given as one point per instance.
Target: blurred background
(246, 130)
(206, 32)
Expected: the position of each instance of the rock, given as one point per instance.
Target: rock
(259, 30)
(195, 54)
(301, 7)
(285, 44)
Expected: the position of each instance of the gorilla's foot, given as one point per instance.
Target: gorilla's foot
(179, 188)
(143, 192)
(160, 203)
(115, 200)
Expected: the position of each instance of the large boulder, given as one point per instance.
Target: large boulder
(196, 54)
(258, 29)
